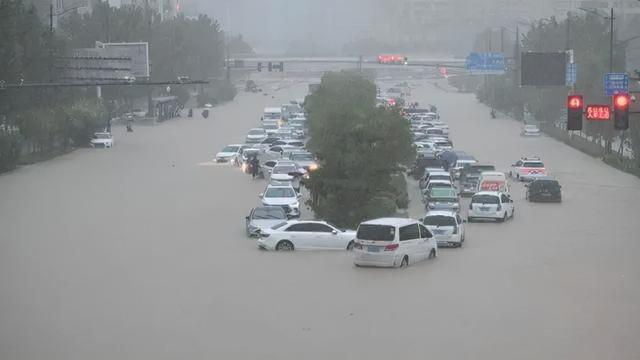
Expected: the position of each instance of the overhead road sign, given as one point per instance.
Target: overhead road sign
(572, 74)
(616, 83)
(489, 63)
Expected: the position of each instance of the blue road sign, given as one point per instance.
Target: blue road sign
(616, 83)
(571, 74)
(485, 63)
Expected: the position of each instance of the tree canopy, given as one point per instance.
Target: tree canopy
(360, 147)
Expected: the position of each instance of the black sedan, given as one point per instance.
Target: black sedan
(544, 189)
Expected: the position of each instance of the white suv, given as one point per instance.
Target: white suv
(446, 226)
(393, 242)
(283, 196)
(493, 205)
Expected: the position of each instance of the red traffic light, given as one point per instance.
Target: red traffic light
(621, 101)
(574, 102)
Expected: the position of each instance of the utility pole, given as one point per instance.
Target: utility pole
(149, 89)
(51, 41)
(611, 18)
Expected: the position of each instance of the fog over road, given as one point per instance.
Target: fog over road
(139, 252)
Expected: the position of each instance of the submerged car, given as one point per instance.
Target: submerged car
(264, 217)
(305, 235)
(304, 160)
(283, 196)
(528, 168)
(256, 135)
(544, 189)
(530, 130)
(440, 198)
(102, 140)
(393, 242)
(493, 205)
(447, 227)
(230, 153)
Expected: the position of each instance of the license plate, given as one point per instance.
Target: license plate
(484, 208)
(373, 249)
(439, 232)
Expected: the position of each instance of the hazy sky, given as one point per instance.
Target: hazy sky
(272, 25)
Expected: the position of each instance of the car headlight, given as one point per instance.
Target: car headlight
(313, 167)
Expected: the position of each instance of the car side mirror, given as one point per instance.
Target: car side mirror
(421, 219)
(299, 196)
(464, 221)
(246, 217)
(261, 195)
(334, 232)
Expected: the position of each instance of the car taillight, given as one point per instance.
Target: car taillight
(357, 245)
(455, 229)
(499, 207)
(470, 206)
(391, 247)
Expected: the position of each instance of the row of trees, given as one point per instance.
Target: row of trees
(588, 36)
(45, 121)
(360, 147)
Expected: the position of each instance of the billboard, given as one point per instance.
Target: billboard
(543, 69)
(137, 52)
(92, 64)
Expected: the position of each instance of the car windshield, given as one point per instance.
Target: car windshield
(439, 177)
(376, 232)
(269, 213)
(278, 225)
(545, 184)
(302, 157)
(230, 149)
(533, 164)
(481, 168)
(440, 220)
(485, 199)
(284, 169)
(103, 136)
(280, 192)
(256, 132)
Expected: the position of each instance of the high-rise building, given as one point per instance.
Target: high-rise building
(166, 8)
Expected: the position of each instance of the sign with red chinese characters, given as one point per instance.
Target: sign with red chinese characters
(598, 112)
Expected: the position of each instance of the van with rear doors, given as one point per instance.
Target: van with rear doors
(393, 242)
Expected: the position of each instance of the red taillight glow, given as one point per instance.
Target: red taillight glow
(391, 247)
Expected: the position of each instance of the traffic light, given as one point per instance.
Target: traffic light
(574, 112)
(270, 66)
(259, 66)
(621, 111)
(281, 66)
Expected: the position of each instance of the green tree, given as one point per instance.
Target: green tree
(360, 147)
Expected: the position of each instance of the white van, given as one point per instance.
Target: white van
(493, 181)
(272, 113)
(393, 242)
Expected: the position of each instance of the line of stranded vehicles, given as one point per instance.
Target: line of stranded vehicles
(444, 175)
